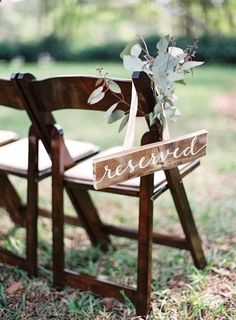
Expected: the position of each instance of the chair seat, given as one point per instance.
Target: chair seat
(83, 171)
(14, 156)
(7, 136)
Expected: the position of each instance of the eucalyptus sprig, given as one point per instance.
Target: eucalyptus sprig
(104, 84)
(168, 67)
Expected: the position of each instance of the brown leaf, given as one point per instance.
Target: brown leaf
(99, 81)
(108, 304)
(15, 286)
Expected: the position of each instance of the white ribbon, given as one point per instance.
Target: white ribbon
(166, 131)
(129, 136)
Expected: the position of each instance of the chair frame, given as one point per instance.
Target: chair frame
(26, 214)
(84, 206)
(41, 128)
(9, 197)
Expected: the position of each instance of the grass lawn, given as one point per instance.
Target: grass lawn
(179, 291)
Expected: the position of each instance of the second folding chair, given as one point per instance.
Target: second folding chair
(14, 162)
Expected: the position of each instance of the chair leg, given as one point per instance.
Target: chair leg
(186, 217)
(88, 215)
(58, 254)
(58, 251)
(145, 246)
(11, 201)
(32, 207)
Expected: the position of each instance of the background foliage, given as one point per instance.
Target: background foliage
(65, 29)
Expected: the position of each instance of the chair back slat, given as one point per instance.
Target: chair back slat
(72, 92)
(9, 95)
(42, 120)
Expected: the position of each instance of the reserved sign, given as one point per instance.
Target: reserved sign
(140, 161)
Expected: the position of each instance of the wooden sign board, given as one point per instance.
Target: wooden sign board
(136, 162)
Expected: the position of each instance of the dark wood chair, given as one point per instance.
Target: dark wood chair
(14, 161)
(73, 92)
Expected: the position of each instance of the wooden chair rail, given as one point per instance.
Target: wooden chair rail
(157, 238)
(13, 259)
(98, 286)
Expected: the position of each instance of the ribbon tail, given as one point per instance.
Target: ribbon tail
(129, 136)
(166, 131)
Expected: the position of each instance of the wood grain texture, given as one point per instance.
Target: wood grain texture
(9, 96)
(122, 166)
(72, 92)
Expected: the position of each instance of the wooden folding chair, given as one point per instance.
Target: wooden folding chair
(73, 92)
(14, 161)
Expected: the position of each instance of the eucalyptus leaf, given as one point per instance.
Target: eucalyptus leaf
(110, 110)
(113, 86)
(124, 122)
(158, 108)
(161, 60)
(133, 63)
(135, 50)
(191, 64)
(175, 51)
(115, 115)
(181, 82)
(127, 49)
(181, 57)
(169, 102)
(152, 118)
(170, 112)
(97, 98)
(175, 76)
(162, 45)
(95, 93)
(162, 119)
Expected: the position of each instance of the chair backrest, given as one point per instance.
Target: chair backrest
(72, 92)
(9, 95)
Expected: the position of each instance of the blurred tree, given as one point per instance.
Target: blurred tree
(187, 16)
(98, 20)
(209, 16)
(86, 22)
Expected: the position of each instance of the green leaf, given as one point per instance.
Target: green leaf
(133, 63)
(110, 110)
(169, 102)
(162, 45)
(96, 95)
(113, 86)
(116, 115)
(158, 108)
(152, 118)
(136, 50)
(124, 122)
(170, 112)
(127, 49)
(181, 82)
(175, 76)
(191, 64)
(162, 119)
